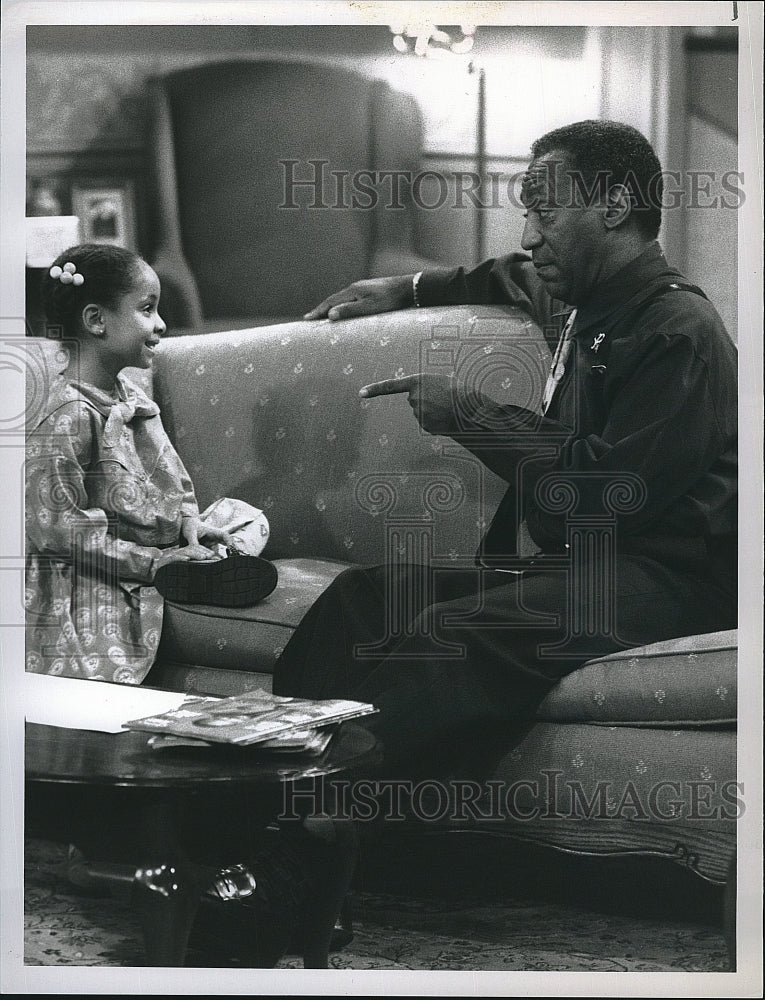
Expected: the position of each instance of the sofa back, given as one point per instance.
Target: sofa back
(272, 415)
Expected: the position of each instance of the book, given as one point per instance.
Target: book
(308, 742)
(250, 718)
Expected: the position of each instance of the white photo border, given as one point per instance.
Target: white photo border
(747, 980)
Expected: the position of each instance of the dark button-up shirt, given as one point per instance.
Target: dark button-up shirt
(642, 427)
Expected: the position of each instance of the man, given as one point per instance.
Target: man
(638, 418)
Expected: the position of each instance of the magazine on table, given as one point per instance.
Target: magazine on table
(250, 718)
(308, 742)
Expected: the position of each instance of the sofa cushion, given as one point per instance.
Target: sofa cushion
(200, 680)
(246, 639)
(689, 681)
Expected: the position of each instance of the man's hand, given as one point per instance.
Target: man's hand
(433, 398)
(364, 298)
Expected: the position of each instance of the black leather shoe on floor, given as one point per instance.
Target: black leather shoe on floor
(235, 582)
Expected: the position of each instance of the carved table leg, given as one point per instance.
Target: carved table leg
(167, 885)
(166, 898)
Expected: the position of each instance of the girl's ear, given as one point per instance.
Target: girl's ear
(93, 320)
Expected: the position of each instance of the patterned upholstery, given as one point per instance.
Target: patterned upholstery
(272, 416)
(612, 789)
(681, 682)
(246, 639)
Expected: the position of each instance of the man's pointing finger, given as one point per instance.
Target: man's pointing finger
(389, 386)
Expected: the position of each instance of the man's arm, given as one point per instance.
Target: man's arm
(509, 280)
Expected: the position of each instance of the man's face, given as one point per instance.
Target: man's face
(566, 239)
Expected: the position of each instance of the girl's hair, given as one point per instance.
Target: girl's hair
(109, 273)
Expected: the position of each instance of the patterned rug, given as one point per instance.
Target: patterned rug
(466, 923)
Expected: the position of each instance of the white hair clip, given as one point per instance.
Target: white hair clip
(67, 275)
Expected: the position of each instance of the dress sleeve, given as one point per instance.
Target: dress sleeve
(170, 458)
(60, 523)
(189, 505)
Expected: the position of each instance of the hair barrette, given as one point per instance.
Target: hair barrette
(67, 275)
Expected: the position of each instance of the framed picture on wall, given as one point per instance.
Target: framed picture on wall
(106, 210)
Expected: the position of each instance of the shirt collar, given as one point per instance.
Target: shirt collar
(620, 287)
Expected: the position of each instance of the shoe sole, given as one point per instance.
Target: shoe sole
(234, 582)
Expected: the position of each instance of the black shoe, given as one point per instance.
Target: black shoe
(235, 582)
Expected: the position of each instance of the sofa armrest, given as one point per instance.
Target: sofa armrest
(685, 682)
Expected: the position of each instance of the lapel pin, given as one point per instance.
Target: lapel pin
(597, 342)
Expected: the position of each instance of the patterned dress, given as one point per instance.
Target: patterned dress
(105, 494)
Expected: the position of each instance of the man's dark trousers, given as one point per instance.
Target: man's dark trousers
(476, 658)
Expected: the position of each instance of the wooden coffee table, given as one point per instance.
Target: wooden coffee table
(169, 819)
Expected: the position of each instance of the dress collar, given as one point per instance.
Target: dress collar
(120, 409)
(126, 395)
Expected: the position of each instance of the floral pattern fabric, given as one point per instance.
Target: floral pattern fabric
(105, 494)
(688, 681)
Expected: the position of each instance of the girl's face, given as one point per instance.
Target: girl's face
(132, 329)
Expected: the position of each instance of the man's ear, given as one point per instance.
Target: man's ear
(618, 206)
(93, 320)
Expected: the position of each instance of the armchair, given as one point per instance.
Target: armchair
(254, 162)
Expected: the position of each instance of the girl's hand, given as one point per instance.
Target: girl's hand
(193, 528)
(172, 555)
(188, 553)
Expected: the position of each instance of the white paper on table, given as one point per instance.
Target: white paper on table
(97, 705)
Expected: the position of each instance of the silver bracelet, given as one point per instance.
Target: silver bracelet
(415, 283)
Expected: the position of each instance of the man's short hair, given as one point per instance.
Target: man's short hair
(620, 154)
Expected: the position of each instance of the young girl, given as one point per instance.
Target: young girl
(109, 504)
